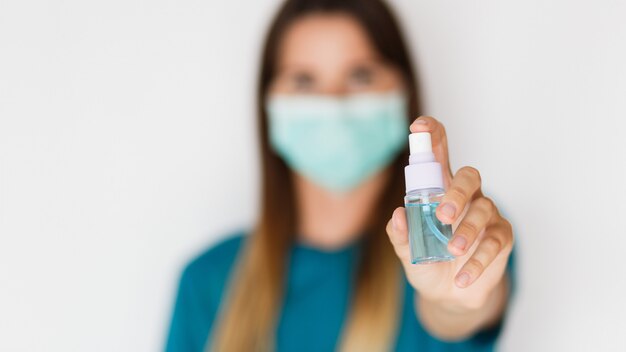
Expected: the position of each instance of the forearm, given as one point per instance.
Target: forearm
(453, 323)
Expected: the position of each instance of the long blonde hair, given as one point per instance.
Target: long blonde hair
(248, 315)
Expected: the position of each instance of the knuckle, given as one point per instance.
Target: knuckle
(492, 245)
(470, 228)
(487, 204)
(484, 206)
(474, 265)
(457, 192)
(508, 229)
(507, 226)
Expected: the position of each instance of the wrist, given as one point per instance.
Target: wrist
(465, 304)
(448, 306)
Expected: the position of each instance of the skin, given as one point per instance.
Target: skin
(331, 54)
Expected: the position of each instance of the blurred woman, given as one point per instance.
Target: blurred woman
(327, 266)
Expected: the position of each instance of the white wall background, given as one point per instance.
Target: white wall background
(127, 145)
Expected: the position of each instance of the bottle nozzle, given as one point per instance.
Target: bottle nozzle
(420, 142)
(423, 170)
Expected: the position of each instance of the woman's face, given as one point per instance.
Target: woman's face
(331, 54)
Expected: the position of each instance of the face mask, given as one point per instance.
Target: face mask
(338, 142)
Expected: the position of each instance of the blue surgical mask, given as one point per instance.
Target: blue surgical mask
(338, 142)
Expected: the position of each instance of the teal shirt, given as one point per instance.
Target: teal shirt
(318, 290)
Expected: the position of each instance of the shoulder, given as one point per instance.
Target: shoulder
(216, 260)
(205, 277)
(200, 292)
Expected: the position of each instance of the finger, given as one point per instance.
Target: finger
(398, 233)
(497, 238)
(439, 140)
(464, 187)
(478, 216)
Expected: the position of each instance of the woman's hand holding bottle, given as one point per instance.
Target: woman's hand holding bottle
(482, 239)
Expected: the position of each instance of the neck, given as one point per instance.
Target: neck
(330, 220)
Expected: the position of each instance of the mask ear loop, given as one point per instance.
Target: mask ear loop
(431, 225)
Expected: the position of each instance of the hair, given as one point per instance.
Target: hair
(249, 314)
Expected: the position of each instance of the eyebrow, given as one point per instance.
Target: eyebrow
(300, 67)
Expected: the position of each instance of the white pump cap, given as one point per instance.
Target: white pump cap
(420, 142)
(423, 170)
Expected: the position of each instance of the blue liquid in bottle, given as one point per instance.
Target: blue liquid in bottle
(428, 237)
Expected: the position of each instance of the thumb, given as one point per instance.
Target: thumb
(398, 233)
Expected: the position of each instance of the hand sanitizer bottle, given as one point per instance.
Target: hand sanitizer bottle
(428, 237)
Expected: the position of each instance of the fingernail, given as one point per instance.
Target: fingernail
(448, 210)
(459, 242)
(419, 122)
(463, 279)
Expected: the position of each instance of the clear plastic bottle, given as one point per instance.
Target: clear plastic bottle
(428, 237)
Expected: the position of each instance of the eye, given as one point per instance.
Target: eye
(302, 81)
(361, 76)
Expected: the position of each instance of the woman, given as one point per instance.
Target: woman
(326, 267)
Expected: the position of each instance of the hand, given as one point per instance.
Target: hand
(481, 243)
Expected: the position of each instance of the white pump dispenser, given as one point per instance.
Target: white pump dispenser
(423, 171)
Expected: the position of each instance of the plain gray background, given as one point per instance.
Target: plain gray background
(127, 145)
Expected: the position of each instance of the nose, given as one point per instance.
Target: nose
(334, 88)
